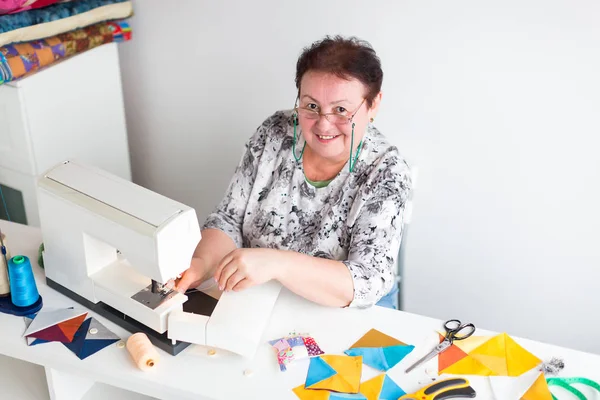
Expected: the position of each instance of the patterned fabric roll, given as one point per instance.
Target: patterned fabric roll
(20, 59)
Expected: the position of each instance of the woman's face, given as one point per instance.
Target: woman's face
(326, 93)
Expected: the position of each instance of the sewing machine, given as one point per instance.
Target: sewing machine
(112, 246)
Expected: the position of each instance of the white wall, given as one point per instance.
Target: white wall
(496, 102)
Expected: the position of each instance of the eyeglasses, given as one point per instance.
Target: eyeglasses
(334, 118)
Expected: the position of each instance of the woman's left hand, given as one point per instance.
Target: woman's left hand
(243, 268)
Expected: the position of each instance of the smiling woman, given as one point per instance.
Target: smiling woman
(317, 200)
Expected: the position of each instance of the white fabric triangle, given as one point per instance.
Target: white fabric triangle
(513, 388)
(50, 317)
(102, 332)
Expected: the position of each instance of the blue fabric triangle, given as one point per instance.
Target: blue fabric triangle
(345, 396)
(318, 370)
(92, 346)
(390, 390)
(372, 356)
(78, 341)
(395, 354)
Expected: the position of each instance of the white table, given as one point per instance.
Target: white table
(193, 374)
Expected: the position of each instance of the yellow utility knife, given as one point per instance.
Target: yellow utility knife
(442, 390)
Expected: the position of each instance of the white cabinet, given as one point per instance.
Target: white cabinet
(70, 110)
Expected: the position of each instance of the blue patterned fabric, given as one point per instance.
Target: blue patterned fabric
(51, 13)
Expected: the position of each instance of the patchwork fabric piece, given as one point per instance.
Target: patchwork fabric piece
(498, 355)
(83, 337)
(54, 325)
(294, 347)
(18, 60)
(381, 387)
(333, 372)
(379, 350)
(90, 338)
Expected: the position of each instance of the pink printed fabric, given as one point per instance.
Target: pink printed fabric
(288, 349)
(16, 6)
(312, 347)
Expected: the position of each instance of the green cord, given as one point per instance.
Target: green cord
(565, 383)
(352, 163)
(295, 117)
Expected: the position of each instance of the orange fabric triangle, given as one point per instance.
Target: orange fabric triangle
(450, 356)
(375, 338)
(70, 326)
(539, 390)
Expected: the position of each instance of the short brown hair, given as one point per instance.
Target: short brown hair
(346, 58)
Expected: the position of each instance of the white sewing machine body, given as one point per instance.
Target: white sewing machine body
(106, 240)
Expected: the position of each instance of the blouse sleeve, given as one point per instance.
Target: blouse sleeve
(228, 216)
(376, 235)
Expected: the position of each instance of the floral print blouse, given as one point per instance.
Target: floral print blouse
(357, 219)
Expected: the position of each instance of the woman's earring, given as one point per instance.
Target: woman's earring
(372, 119)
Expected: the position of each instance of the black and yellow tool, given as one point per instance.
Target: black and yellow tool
(447, 389)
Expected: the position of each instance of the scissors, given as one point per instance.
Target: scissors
(446, 389)
(455, 330)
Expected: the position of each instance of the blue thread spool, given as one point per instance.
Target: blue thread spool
(23, 289)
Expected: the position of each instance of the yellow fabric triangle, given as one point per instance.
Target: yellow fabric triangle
(468, 366)
(471, 343)
(539, 390)
(371, 389)
(518, 359)
(496, 364)
(347, 379)
(375, 338)
(493, 347)
(308, 394)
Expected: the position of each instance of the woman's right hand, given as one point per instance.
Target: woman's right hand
(193, 276)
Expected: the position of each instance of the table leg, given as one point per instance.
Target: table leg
(65, 386)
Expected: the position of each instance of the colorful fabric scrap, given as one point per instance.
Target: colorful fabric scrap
(294, 347)
(18, 60)
(379, 350)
